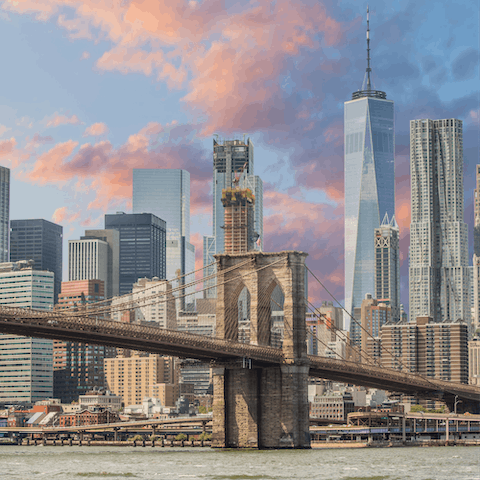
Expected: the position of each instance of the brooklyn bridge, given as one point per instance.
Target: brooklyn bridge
(260, 392)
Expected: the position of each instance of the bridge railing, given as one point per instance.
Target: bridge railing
(90, 325)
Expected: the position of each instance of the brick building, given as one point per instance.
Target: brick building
(88, 417)
(429, 348)
(78, 367)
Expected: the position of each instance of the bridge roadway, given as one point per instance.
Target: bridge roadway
(56, 325)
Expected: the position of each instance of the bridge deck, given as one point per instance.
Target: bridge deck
(54, 325)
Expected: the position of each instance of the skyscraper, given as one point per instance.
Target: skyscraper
(369, 182)
(438, 274)
(233, 162)
(26, 364)
(387, 265)
(78, 367)
(88, 260)
(4, 212)
(476, 255)
(166, 193)
(41, 241)
(238, 204)
(112, 238)
(142, 238)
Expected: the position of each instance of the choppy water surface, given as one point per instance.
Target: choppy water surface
(437, 463)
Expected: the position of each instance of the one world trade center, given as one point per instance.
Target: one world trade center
(369, 185)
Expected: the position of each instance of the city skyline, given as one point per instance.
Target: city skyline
(291, 111)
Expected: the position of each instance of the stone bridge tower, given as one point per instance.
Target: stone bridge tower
(255, 405)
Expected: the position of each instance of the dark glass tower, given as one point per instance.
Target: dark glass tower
(41, 241)
(142, 247)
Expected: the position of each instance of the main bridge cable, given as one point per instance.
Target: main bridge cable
(392, 355)
(136, 303)
(426, 379)
(164, 300)
(100, 302)
(359, 350)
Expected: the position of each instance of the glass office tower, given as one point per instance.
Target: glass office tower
(166, 193)
(4, 212)
(142, 253)
(369, 185)
(41, 241)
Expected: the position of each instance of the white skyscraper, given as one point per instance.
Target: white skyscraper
(439, 274)
(88, 260)
(26, 364)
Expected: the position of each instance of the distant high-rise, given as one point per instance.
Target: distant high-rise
(233, 163)
(476, 255)
(112, 238)
(4, 212)
(166, 193)
(88, 260)
(209, 269)
(26, 364)
(238, 204)
(41, 241)
(78, 367)
(387, 265)
(369, 182)
(142, 247)
(438, 274)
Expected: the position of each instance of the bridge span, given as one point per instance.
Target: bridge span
(54, 325)
(265, 405)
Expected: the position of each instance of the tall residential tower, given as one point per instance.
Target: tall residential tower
(369, 182)
(439, 277)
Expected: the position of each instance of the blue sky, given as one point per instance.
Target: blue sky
(157, 79)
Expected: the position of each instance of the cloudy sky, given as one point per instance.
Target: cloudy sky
(94, 88)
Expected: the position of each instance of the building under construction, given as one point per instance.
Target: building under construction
(238, 225)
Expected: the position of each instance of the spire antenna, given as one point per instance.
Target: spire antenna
(369, 85)
(367, 90)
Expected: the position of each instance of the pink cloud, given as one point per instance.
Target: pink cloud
(85, 56)
(96, 130)
(58, 119)
(63, 215)
(106, 171)
(7, 146)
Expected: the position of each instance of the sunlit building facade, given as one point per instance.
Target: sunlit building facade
(439, 276)
(26, 364)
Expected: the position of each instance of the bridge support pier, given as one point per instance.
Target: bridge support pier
(262, 407)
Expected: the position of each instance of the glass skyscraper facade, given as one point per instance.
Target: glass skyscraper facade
(369, 162)
(142, 238)
(166, 193)
(41, 241)
(369, 188)
(4, 212)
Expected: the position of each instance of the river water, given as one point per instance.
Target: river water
(416, 463)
